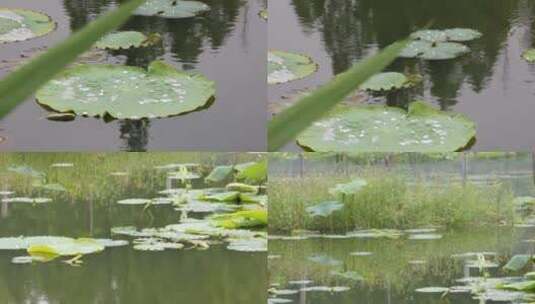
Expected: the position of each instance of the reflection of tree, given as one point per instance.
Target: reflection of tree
(135, 133)
(349, 28)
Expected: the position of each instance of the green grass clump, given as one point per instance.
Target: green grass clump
(388, 201)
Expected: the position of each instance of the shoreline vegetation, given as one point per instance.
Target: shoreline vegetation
(388, 200)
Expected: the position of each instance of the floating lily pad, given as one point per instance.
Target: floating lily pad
(256, 199)
(202, 207)
(172, 9)
(126, 40)
(389, 129)
(27, 200)
(386, 82)
(242, 219)
(248, 245)
(20, 25)
(69, 247)
(350, 188)
(432, 290)
(425, 236)
(529, 55)
(226, 196)
(439, 44)
(126, 92)
(284, 67)
(134, 201)
(219, 174)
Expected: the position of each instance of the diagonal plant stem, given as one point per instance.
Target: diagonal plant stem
(287, 125)
(17, 86)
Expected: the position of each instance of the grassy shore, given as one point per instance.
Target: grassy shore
(390, 200)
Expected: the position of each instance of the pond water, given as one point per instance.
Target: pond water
(226, 44)
(492, 84)
(390, 270)
(120, 274)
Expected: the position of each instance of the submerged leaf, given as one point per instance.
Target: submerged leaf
(389, 129)
(126, 92)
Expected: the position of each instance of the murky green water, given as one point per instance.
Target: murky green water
(492, 85)
(394, 269)
(122, 274)
(226, 44)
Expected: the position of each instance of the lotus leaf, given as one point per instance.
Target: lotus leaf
(388, 129)
(134, 201)
(425, 236)
(248, 245)
(219, 174)
(126, 40)
(324, 208)
(242, 188)
(221, 196)
(242, 219)
(350, 188)
(432, 289)
(255, 199)
(71, 247)
(253, 173)
(284, 67)
(386, 82)
(439, 44)
(27, 200)
(517, 262)
(529, 55)
(202, 207)
(172, 9)
(126, 92)
(20, 25)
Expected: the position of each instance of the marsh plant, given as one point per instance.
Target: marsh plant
(388, 200)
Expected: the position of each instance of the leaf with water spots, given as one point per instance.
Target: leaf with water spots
(284, 67)
(126, 40)
(126, 92)
(172, 9)
(21, 24)
(389, 129)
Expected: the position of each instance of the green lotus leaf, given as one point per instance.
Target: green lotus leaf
(432, 289)
(183, 175)
(350, 188)
(389, 129)
(529, 55)
(324, 209)
(248, 245)
(134, 201)
(219, 174)
(70, 247)
(254, 172)
(386, 82)
(242, 219)
(224, 196)
(284, 67)
(528, 286)
(125, 40)
(430, 35)
(126, 92)
(27, 200)
(172, 9)
(241, 187)
(462, 34)
(517, 262)
(204, 207)
(425, 236)
(20, 25)
(434, 51)
(253, 199)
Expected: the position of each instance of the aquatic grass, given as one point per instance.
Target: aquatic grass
(288, 124)
(17, 86)
(388, 201)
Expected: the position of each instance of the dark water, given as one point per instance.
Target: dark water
(492, 84)
(122, 275)
(227, 45)
(391, 273)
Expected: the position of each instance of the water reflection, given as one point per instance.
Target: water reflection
(351, 29)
